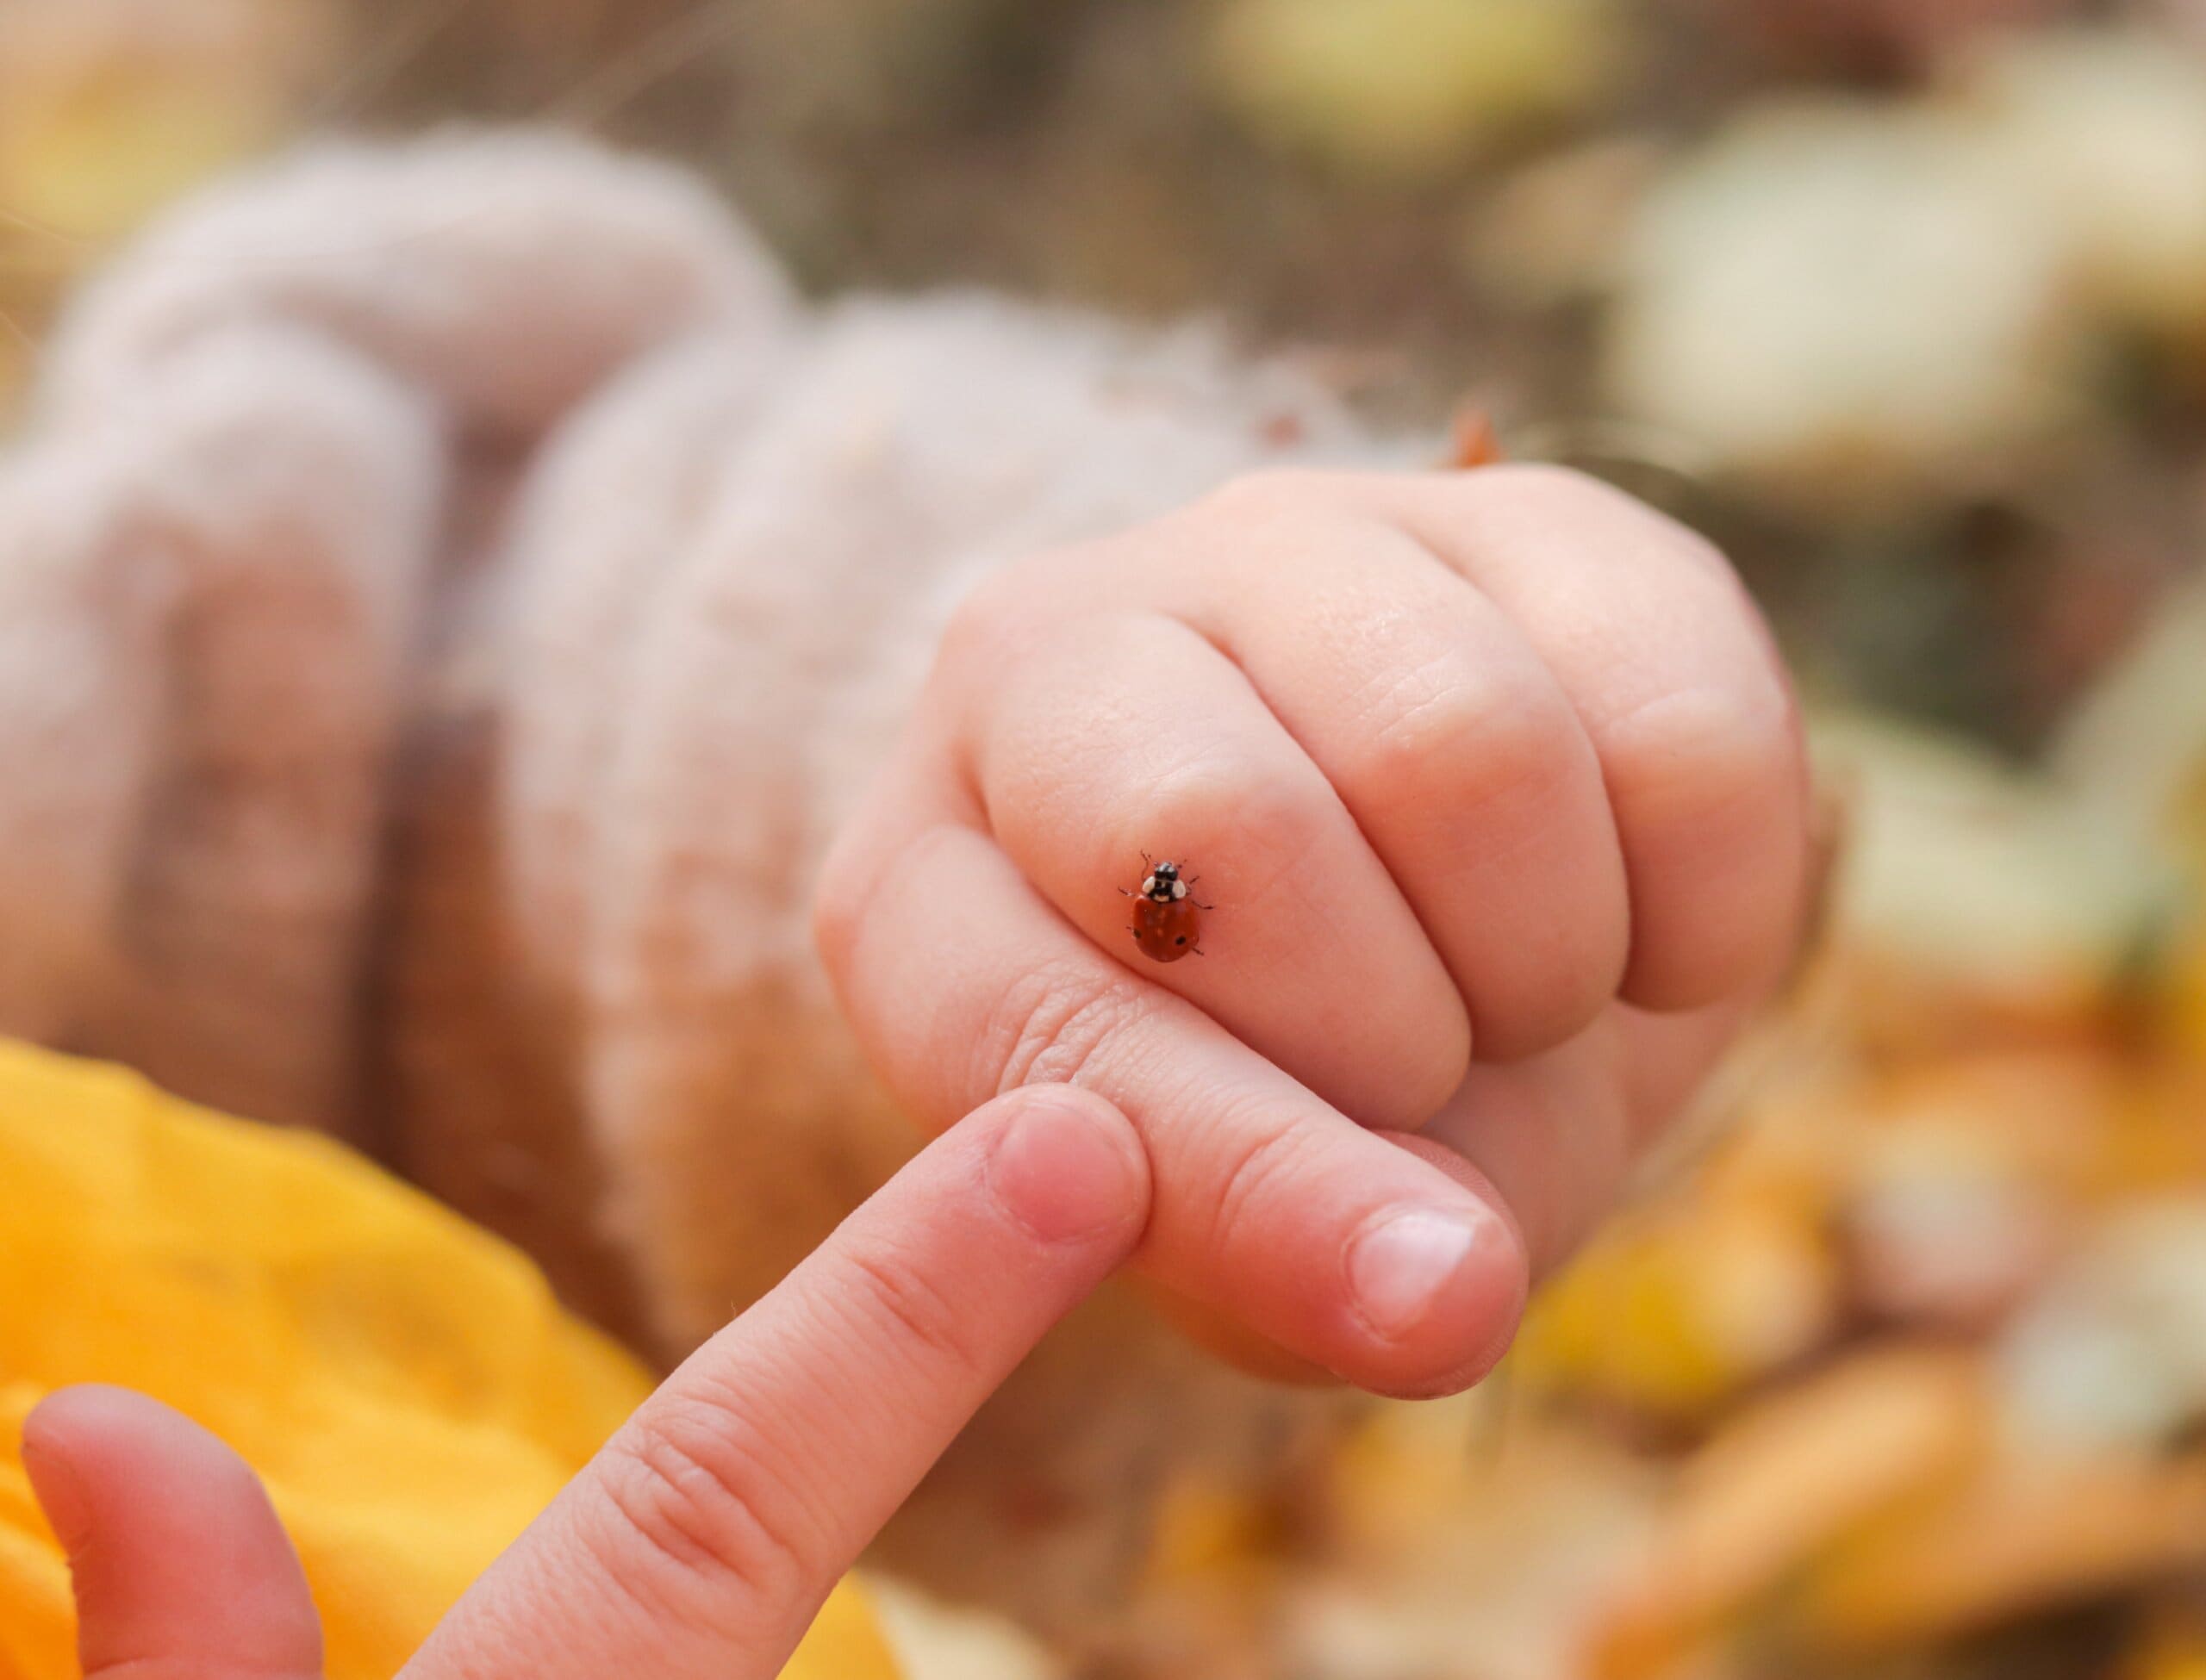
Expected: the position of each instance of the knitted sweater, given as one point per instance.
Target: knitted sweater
(450, 594)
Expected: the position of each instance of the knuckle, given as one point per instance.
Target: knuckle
(1259, 819)
(1452, 742)
(1690, 757)
(1530, 493)
(1545, 481)
(1269, 491)
(1532, 496)
(704, 1529)
(1557, 489)
(987, 619)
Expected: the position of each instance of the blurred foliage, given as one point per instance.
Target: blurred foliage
(1409, 87)
(108, 108)
(1909, 295)
(1903, 300)
(1902, 1371)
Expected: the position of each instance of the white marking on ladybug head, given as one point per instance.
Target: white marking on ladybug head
(1178, 889)
(1149, 887)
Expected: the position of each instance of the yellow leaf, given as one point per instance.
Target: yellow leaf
(1405, 87)
(404, 1383)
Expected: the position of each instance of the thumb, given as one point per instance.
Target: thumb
(182, 1572)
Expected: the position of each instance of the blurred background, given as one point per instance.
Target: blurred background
(1903, 1372)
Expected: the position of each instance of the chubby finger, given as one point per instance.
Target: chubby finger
(1459, 755)
(962, 980)
(1557, 1136)
(181, 1569)
(1133, 734)
(703, 1538)
(1681, 693)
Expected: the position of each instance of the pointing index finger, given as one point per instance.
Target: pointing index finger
(703, 1538)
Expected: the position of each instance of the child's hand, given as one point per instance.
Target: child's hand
(1495, 783)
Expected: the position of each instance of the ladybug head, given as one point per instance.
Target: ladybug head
(1164, 884)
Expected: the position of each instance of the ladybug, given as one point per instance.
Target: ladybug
(1166, 925)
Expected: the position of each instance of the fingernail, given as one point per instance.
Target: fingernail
(1065, 1171)
(61, 1496)
(1399, 1268)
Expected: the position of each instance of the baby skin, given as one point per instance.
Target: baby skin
(1496, 787)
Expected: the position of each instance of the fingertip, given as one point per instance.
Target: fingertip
(54, 1420)
(93, 1407)
(73, 1435)
(92, 1442)
(1068, 1167)
(95, 1421)
(177, 1557)
(53, 1478)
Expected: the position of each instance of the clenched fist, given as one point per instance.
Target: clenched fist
(1494, 784)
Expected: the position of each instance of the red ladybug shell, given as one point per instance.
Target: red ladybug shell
(1166, 931)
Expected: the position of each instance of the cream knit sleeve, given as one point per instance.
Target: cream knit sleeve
(244, 479)
(450, 596)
